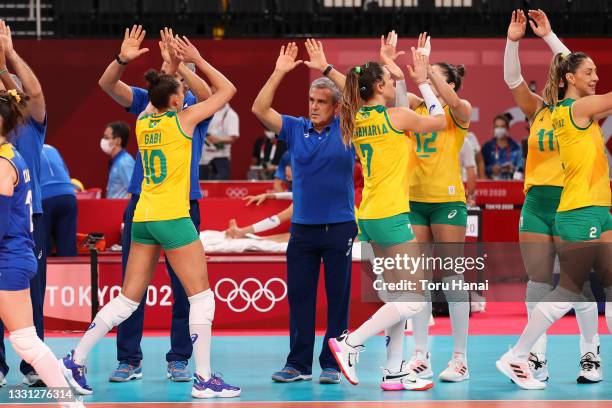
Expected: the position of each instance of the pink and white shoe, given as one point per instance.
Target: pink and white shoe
(456, 371)
(346, 356)
(518, 371)
(405, 379)
(420, 364)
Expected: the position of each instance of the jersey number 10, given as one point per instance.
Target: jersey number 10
(149, 166)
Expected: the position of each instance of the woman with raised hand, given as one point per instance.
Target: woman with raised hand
(164, 132)
(583, 218)
(378, 134)
(543, 187)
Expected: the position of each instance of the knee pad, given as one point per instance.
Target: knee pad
(535, 292)
(408, 309)
(455, 293)
(202, 308)
(117, 311)
(27, 344)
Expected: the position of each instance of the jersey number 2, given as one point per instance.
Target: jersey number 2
(149, 166)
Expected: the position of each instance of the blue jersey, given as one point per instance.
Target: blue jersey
(140, 100)
(17, 245)
(30, 137)
(54, 176)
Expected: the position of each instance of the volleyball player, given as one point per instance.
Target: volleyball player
(161, 220)
(583, 217)
(438, 209)
(377, 133)
(17, 261)
(543, 187)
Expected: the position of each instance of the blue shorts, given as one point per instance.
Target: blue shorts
(15, 279)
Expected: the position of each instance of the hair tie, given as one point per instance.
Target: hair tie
(358, 69)
(565, 55)
(362, 89)
(14, 94)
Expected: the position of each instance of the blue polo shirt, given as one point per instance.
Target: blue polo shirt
(30, 137)
(140, 100)
(54, 175)
(322, 170)
(282, 164)
(120, 169)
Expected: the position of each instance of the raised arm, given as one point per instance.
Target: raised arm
(262, 106)
(204, 109)
(388, 54)
(110, 81)
(319, 63)
(529, 102)
(31, 86)
(6, 81)
(592, 107)
(197, 85)
(542, 28)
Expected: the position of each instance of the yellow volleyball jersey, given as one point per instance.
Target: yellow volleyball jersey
(437, 171)
(384, 155)
(585, 164)
(166, 155)
(543, 167)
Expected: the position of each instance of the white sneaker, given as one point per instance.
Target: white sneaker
(478, 303)
(456, 371)
(518, 371)
(346, 356)
(32, 379)
(539, 366)
(590, 362)
(2, 380)
(419, 364)
(405, 379)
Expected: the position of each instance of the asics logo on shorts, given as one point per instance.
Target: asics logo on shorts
(239, 299)
(452, 214)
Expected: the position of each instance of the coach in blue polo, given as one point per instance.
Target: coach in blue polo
(323, 223)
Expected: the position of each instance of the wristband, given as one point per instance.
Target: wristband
(328, 69)
(119, 61)
(267, 224)
(285, 195)
(433, 104)
(555, 44)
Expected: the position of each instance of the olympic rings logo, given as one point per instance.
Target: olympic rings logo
(236, 192)
(251, 299)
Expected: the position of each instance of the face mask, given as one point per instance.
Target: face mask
(500, 132)
(270, 135)
(106, 146)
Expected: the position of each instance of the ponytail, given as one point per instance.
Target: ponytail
(557, 84)
(349, 106)
(358, 88)
(12, 105)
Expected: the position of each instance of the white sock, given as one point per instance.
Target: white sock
(536, 291)
(538, 324)
(588, 320)
(112, 314)
(201, 315)
(459, 311)
(420, 328)
(395, 346)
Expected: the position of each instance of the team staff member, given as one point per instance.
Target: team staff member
(543, 187)
(583, 217)
(323, 222)
(30, 143)
(135, 100)
(59, 203)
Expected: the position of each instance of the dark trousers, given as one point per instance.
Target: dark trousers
(217, 169)
(38, 286)
(60, 214)
(129, 333)
(309, 244)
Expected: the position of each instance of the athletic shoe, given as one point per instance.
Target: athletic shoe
(126, 372)
(32, 379)
(346, 356)
(75, 374)
(290, 374)
(329, 376)
(178, 371)
(539, 366)
(404, 379)
(478, 303)
(456, 371)
(2, 379)
(215, 387)
(518, 371)
(590, 363)
(420, 364)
